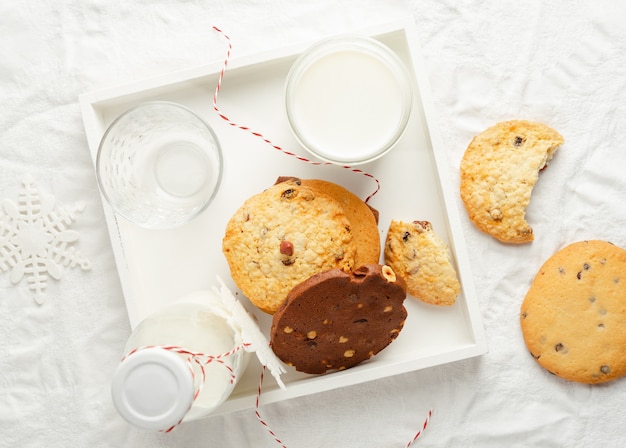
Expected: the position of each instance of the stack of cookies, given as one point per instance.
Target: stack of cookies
(307, 252)
(293, 230)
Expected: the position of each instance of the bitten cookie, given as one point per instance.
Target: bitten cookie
(417, 254)
(574, 315)
(498, 172)
(335, 320)
(282, 236)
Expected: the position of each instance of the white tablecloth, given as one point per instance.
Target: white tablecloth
(562, 63)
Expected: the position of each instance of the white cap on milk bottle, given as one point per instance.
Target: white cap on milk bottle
(153, 389)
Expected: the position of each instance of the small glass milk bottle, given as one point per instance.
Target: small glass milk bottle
(169, 374)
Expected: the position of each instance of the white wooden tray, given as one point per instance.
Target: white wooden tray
(156, 267)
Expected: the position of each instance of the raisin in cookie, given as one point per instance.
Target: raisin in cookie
(335, 320)
(282, 236)
(498, 172)
(574, 315)
(416, 253)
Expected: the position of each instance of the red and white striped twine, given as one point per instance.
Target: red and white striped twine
(267, 140)
(282, 445)
(303, 159)
(421, 431)
(258, 414)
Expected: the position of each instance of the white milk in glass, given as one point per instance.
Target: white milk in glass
(347, 106)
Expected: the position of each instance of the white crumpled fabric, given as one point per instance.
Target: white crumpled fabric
(562, 63)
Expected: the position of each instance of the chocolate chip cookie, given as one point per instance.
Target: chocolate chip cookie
(499, 170)
(364, 219)
(418, 255)
(573, 318)
(283, 235)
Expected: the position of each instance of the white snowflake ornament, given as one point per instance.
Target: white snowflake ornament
(35, 239)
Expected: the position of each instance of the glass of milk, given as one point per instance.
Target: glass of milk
(156, 387)
(348, 99)
(159, 165)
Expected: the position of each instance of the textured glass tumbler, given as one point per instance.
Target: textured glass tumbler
(159, 165)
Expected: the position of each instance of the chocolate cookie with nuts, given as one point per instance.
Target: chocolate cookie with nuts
(282, 236)
(573, 317)
(336, 320)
